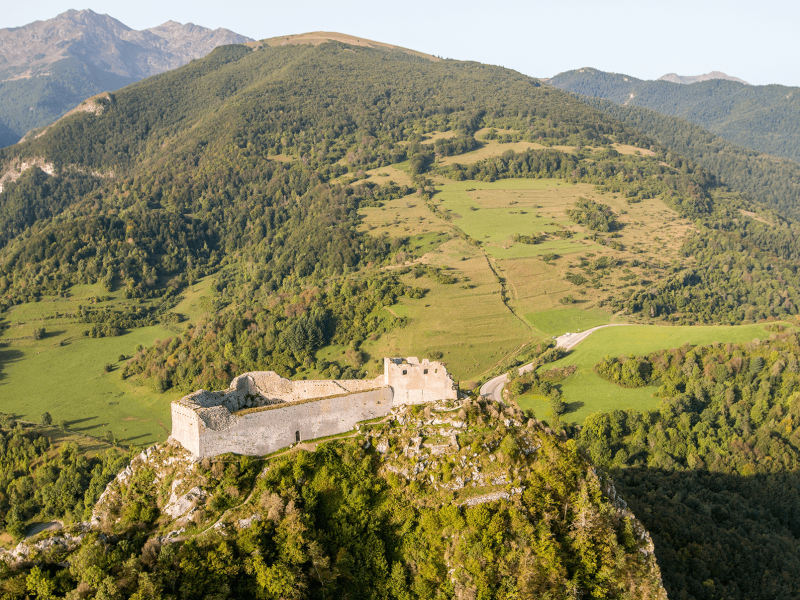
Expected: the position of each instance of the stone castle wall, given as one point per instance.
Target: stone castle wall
(416, 382)
(262, 412)
(260, 431)
(272, 386)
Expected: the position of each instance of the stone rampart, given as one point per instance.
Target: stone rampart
(262, 412)
(259, 432)
(270, 385)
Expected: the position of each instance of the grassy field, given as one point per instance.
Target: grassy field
(493, 212)
(463, 321)
(466, 321)
(64, 374)
(403, 217)
(586, 393)
(558, 322)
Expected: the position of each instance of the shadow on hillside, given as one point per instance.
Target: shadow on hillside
(741, 532)
(130, 440)
(571, 407)
(79, 421)
(7, 356)
(87, 428)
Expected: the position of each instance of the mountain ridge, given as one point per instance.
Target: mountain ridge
(49, 67)
(762, 118)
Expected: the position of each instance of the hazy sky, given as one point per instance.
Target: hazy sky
(756, 41)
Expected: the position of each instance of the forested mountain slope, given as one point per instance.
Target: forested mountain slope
(48, 67)
(768, 179)
(236, 162)
(764, 118)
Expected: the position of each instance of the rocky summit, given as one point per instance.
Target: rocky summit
(48, 67)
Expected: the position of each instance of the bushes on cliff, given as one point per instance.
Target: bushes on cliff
(35, 481)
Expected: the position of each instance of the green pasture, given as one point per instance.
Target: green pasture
(466, 321)
(586, 393)
(560, 321)
(64, 372)
(493, 212)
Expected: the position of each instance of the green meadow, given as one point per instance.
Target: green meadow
(560, 321)
(585, 393)
(64, 373)
(493, 212)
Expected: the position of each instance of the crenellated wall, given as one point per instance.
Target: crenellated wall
(262, 412)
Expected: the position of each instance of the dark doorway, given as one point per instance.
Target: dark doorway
(296, 436)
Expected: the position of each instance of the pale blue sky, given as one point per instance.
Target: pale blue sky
(756, 41)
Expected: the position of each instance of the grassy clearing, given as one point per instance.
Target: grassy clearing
(403, 217)
(493, 212)
(586, 393)
(626, 149)
(558, 322)
(466, 321)
(394, 173)
(63, 373)
(489, 149)
(459, 317)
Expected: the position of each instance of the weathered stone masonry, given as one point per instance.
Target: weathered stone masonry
(262, 412)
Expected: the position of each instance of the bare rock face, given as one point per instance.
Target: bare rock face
(48, 67)
(103, 42)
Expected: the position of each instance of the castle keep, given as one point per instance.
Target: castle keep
(262, 412)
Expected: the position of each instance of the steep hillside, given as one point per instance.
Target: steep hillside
(48, 67)
(763, 118)
(427, 504)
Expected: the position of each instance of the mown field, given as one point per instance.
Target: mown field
(64, 372)
(585, 393)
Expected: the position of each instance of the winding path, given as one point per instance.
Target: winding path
(493, 389)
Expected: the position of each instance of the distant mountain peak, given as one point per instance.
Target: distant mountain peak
(105, 43)
(687, 79)
(48, 67)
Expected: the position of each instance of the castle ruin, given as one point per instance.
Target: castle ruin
(262, 412)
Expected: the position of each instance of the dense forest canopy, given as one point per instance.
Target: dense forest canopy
(764, 118)
(715, 467)
(767, 179)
